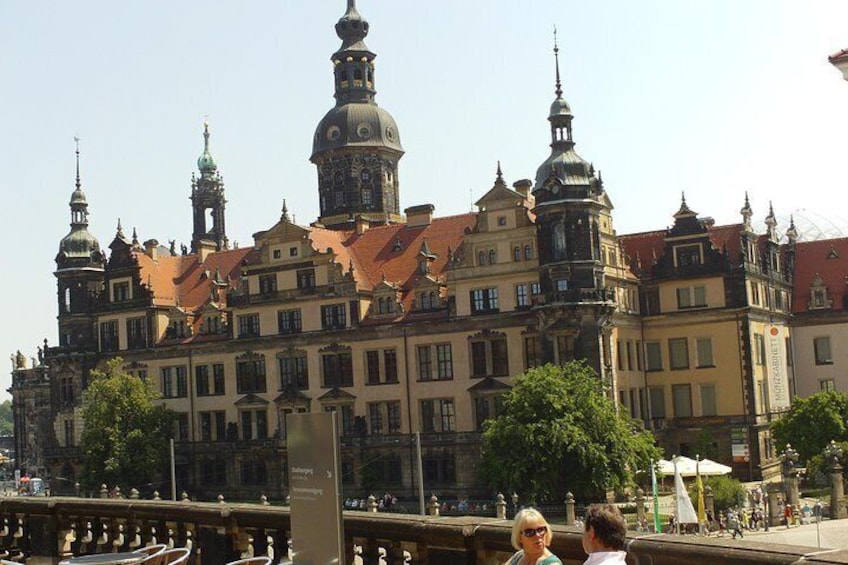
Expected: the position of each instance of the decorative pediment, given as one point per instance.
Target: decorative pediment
(251, 400)
(250, 356)
(290, 351)
(820, 299)
(336, 395)
(290, 395)
(487, 334)
(334, 348)
(488, 385)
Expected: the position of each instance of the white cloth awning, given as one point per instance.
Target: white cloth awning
(689, 467)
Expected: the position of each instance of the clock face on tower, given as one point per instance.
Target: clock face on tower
(333, 133)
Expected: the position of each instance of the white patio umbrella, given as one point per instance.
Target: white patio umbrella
(709, 468)
(685, 466)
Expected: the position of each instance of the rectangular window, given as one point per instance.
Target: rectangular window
(346, 419)
(250, 376)
(268, 284)
(759, 350)
(629, 355)
(708, 400)
(201, 380)
(755, 294)
(439, 469)
(704, 347)
(686, 255)
(217, 379)
(444, 361)
(827, 385)
(390, 365)
(306, 279)
(657, 399)
(532, 352)
(70, 439)
(375, 417)
(181, 426)
(682, 399)
(691, 297)
(522, 296)
(137, 333)
(333, 317)
(120, 292)
(500, 358)
(478, 359)
(167, 382)
(678, 353)
(484, 300)
(248, 325)
(372, 364)
(565, 348)
(653, 356)
(821, 345)
(438, 416)
(482, 412)
(619, 355)
(638, 355)
(289, 321)
(294, 372)
(425, 363)
(109, 336)
(338, 369)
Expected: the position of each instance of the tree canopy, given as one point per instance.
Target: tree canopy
(125, 435)
(811, 423)
(7, 427)
(559, 432)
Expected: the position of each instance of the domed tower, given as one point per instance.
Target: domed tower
(207, 193)
(79, 274)
(356, 146)
(569, 201)
(571, 211)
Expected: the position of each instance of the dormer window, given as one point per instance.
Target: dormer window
(120, 291)
(818, 295)
(687, 255)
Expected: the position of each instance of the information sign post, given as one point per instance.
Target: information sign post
(316, 512)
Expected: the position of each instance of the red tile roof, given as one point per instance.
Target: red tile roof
(648, 246)
(826, 258)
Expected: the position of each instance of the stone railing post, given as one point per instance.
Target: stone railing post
(569, 509)
(837, 493)
(500, 507)
(133, 494)
(104, 491)
(263, 500)
(156, 495)
(433, 506)
(640, 506)
(371, 504)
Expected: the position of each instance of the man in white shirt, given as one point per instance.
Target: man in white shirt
(604, 535)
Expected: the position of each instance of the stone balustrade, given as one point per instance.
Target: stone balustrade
(45, 529)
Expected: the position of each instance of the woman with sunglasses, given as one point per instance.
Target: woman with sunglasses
(531, 536)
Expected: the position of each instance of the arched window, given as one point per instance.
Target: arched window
(481, 258)
(516, 253)
(357, 74)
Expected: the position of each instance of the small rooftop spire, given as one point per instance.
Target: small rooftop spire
(500, 173)
(556, 59)
(77, 140)
(285, 215)
(120, 231)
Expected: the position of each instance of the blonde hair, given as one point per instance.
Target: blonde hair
(520, 522)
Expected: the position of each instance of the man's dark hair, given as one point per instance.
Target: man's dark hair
(609, 525)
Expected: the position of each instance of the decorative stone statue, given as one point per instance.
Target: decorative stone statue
(20, 360)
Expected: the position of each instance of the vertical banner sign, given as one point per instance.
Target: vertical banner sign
(777, 368)
(314, 487)
(739, 445)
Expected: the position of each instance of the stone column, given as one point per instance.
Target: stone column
(569, 509)
(640, 506)
(837, 493)
(709, 500)
(790, 487)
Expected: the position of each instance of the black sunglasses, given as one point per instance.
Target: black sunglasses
(533, 532)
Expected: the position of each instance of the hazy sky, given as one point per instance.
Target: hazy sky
(708, 97)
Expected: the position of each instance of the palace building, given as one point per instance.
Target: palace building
(402, 321)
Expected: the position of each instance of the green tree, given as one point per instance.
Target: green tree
(812, 422)
(125, 435)
(727, 492)
(558, 432)
(7, 426)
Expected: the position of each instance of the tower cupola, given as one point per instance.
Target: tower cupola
(79, 249)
